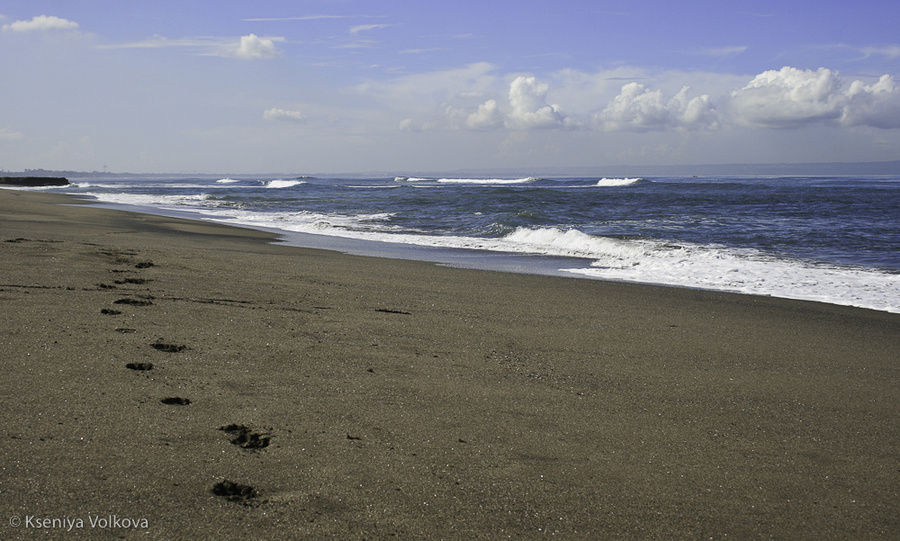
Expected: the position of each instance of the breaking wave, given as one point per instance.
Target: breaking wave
(612, 182)
(487, 180)
(283, 183)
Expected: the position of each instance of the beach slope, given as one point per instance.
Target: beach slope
(202, 381)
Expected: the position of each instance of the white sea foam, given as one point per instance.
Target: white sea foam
(148, 185)
(696, 266)
(486, 180)
(715, 268)
(703, 267)
(227, 181)
(611, 182)
(569, 243)
(164, 202)
(728, 270)
(106, 185)
(360, 226)
(283, 183)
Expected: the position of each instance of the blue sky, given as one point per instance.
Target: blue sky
(413, 86)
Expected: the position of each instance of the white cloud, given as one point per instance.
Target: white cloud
(253, 46)
(637, 108)
(423, 90)
(7, 135)
(876, 105)
(723, 52)
(788, 98)
(476, 98)
(248, 47)
(889, 51)
(284, 115)
(792, 98)
(530, 109)
(366, 27)
(694, 113)
(526, 108)
(486, 117)
(300, 18)
(159, 42)
(41, 22)
(422, 51)
(358, 44)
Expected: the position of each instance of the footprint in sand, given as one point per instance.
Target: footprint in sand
(246, 438)
(168, 348)
(139, 366)
(176, 401)
(132, 281)
(133, 302)
(234, 492)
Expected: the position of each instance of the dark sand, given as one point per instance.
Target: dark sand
(367, 398)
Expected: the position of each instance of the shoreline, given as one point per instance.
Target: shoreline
(333, 395)
(462, 258)
(511, 261)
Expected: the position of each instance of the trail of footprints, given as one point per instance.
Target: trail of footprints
(241, 436)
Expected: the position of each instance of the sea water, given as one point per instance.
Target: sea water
(827, 239)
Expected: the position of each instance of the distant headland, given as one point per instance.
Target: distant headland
(34, 181)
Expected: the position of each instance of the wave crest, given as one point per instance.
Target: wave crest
(487, 180)
(612, 182)
(283, 183)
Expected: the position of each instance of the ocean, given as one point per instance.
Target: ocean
(827, 239)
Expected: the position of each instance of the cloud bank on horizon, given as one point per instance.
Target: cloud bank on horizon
(231, 89)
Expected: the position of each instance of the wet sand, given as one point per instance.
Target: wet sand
(209, 383)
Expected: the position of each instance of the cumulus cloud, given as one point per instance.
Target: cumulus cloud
(434, 100)
(792, 98)
(530, 109)
(284, 115)
(876, 105)
(637, 108)
(253, 46)
(779, 99)
(526, 108)
(487, 117)
(788, 98)
(41, 22)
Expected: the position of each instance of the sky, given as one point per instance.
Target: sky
(332, 86)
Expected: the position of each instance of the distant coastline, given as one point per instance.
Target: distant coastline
(33, 181)
(733, 169)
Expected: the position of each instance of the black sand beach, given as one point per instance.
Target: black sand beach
(204, 382)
